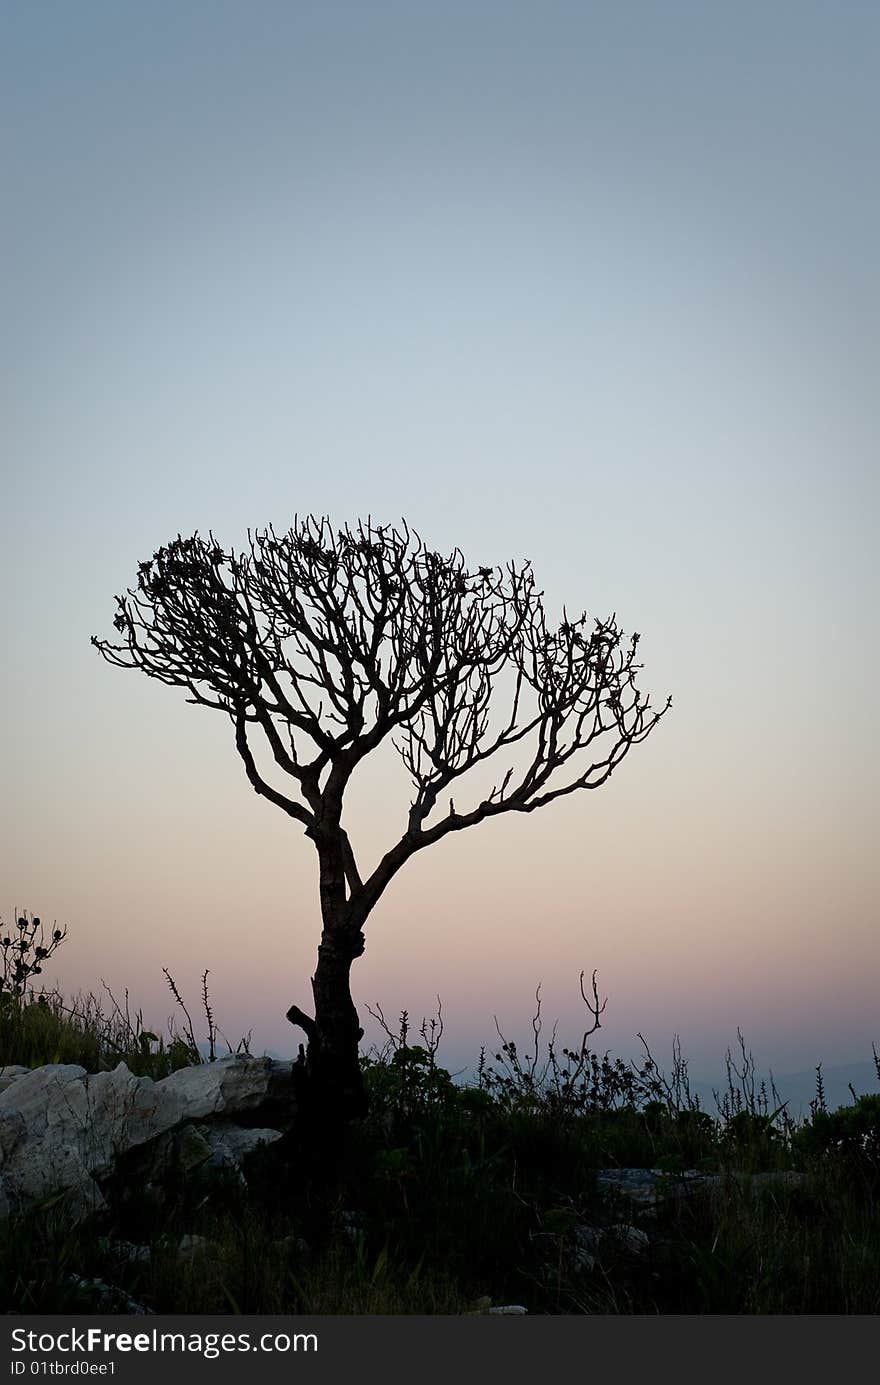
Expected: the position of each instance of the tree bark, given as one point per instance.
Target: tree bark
(333, 1060)
(334, 1085)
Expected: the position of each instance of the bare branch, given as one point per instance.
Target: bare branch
(287, 805)
(322, 643)
(595, 1008)
(297, 1017)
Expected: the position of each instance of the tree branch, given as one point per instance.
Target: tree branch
(332, 641)
(287, 805)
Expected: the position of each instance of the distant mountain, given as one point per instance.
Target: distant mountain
(799, 1088)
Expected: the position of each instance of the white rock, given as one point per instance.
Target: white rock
(11, 1073)
(61, 1128)
(231, 1144)
(648, 1187)
(238, 1083)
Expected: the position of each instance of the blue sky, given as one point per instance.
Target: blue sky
(593, 285)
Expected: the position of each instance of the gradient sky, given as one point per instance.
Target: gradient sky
(595, 285)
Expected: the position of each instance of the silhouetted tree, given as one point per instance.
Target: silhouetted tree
(325, 643)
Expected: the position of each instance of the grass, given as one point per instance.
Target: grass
(450, 1196)
(50, 1029)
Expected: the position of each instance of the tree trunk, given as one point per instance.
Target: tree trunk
(333, 1059)
(334, 1089)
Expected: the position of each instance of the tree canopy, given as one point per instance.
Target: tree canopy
(325, 642)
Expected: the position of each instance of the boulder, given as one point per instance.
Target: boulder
(231, 1086)
(229, 1144)
(63, 1129)
(646, 1188)
(9, 1073)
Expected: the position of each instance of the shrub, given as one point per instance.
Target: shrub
(23, 950)
(851, 1134)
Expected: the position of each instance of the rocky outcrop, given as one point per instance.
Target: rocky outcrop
(9, 1073)
(647, 1188)
(63, 1130)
